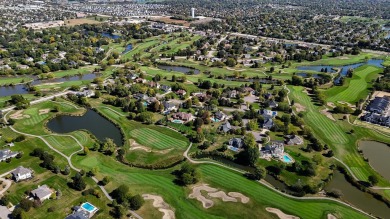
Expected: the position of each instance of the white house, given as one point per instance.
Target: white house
(21, 173)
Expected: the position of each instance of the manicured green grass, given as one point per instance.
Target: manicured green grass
(65, 144)
(13, 80)
(155, 139)
(337, 135)
(355, 88)
(161, 183)
(72, 72)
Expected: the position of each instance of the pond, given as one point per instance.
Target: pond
(182, 69)
(21, 88)
(344, 68)
(99, 126)
(308, 75)
(128, 48)
(354, 196)
(378, 155)
(111, 36)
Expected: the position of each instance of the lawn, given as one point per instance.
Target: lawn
(13, 80)
(156, 140)
(337, 135)
(355, 88)
(65, 144)
(161, 183)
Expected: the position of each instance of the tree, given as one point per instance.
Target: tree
(78, 182)
(105, 180)
(108, 146)
(146, 117)
(25, 204)
(136, 202)
(120, 193)
(187, 175)
(373, 179)
(4, 200)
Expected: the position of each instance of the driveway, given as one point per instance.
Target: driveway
(4, 212)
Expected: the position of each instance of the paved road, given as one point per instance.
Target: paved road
(4, 212)
(40, 100)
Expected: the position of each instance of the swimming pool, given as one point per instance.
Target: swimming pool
(214, 119)
(88, 207)
(287, 159)
(177, 121)
(234, 149)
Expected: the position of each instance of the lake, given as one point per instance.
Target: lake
(182, 69)
(354, 196)
(99, 126)
(378, 155)
(344, 68)
(21, 88)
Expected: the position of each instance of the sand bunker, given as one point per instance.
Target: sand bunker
(44, 111)
(280, 213)
(243, 198)
(158, 202)
(214, 193)
(328, 114)
(299, 107)
(330, 104)
(331, 216)
(18, 115)
(135, 146)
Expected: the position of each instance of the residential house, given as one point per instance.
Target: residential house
(232, 93)
(181, 93)
(140, 80)
(7, 154)
(84, 211)
(236, 142)
(185, 117)
(226, 127)
(293, 140)
(21, 173)
(220, 116)
(42, 193)
(267, 114)
(132, 76)
(272, 103)
(29, 59)
(99, 50)
(153, 84)
(140, 96)
(248, 90)
(169, 106)
(274, 149)
(268, 96)
(268, 123)
(86, 93)
(165, 88)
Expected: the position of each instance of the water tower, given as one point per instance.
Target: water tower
(193, 12)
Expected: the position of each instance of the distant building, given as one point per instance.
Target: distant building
(193, 12)
(226, 127)
(185, 117)
(379, 105)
